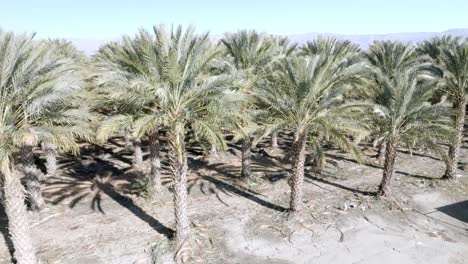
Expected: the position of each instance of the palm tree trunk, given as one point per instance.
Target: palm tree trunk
(18, 222)
(274, 140)
(246, 171)
(381, 152)
(213, 152)
(389, 169)
(50, 152)
(155, 161)
(31, 174)
(297, 180)
(128, 139)
(178, 165)
(137, 154)
(319, 164)
(454, 149)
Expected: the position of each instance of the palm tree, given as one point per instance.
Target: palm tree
(130, 80)
(402, 114)
(36, 100)
(70, 119)
(113, 83)
(451, 55)
(71, 116)
(390, 58)
(32, 81)
(187, 100)
(282, 48)
(308, 98)
(249, 54)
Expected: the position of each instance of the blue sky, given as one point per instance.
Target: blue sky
(109, 19)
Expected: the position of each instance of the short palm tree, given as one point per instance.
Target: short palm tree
(249, 54)
(390, 58)
(308, 98)
(282, 48)
(128, 80)
(111, 90)
(72, 116)
(32, 81)
(451, 55)
(402, 114)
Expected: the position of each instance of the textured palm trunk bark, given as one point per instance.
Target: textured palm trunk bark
(246, 170)
(178, 165)
(137, 154)
(155, 161)
(381, 152)
(274, 140)
(389, 167)
(213, 152)
(18, 222)
(50, 152)
(31, 176)
(297, 180)
(454, 149)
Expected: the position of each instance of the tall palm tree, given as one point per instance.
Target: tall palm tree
(402, 114)
(14, 51)
(308, 98)
(32, 81)
(187, 100)
(36, 103)
(249, 54)
(451, 55)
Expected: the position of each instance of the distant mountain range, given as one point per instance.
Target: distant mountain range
(89, 46)
(367, 39)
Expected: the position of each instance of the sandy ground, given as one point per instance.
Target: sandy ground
(91, 217)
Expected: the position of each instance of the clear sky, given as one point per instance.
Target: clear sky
(102, 19)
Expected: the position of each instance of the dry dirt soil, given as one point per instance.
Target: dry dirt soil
(94, 216)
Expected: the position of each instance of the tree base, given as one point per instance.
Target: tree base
(382, 193)
(449, 178)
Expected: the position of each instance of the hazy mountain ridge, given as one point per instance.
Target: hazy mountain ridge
(89, 46)
(367, 39)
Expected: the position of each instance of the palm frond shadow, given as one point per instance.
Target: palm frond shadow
(373, 165)
(339, 157)
(97, 149)
(5, 233)
(116, 142)
(91, 182)
(227, 186)
(423, 155)
(128, 203)
(337, 185)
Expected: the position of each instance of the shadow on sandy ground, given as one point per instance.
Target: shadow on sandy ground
(457, 210)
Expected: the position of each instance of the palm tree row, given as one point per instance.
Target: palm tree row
(249, 84)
